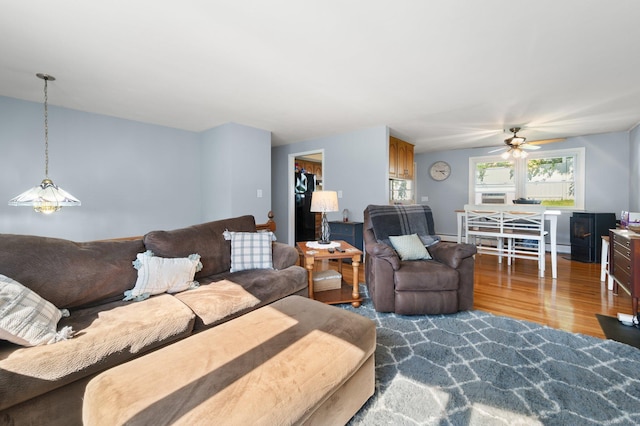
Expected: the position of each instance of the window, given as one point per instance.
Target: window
(555, 178)
(401, 191)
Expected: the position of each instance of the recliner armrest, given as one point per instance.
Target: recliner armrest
(451, 254)
(383, 251)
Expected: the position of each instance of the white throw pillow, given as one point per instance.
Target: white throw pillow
(160, 274)
(26, 318)
(250, 250)
(410, 247)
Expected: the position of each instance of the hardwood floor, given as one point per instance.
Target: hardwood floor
(569, 303)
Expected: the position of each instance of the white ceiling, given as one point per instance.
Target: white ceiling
(441, 74)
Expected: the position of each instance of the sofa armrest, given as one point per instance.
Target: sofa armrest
(383, 251)
(451, 254)
(284, 255)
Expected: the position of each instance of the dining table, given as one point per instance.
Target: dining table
(550, 216)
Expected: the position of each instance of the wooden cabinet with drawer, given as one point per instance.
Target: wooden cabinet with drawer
(624, 263)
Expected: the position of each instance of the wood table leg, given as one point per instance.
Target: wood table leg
(355, 293)
(309, 263)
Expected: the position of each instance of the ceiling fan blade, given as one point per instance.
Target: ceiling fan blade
(498, 150)
(529, 147)
(544, 141)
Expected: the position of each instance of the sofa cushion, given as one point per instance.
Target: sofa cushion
(107, 335)
(160, 274)
(425, 275)
(70, 274)
(264, 285)
(27, 319)
(218, 300)
(250, 250)
(284, 255)
(206, 239)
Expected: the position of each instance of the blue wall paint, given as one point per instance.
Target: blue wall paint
(607, 174)
(355, 163)
(634, 169)
(134, 177)
(235, 164)
(131, 177)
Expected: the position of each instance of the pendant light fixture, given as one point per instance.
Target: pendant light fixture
(47, 197)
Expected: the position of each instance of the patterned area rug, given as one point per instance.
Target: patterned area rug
(475, 368)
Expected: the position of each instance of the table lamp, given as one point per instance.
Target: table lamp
(323, 202)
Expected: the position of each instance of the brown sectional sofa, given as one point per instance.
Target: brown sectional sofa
(45, 384)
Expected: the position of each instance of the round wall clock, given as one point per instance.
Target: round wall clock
(440, 170)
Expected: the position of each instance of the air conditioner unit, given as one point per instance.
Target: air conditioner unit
(494, 198)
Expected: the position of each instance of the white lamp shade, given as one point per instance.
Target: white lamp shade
(324, 201)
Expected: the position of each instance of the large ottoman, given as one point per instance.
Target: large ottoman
(296, 361)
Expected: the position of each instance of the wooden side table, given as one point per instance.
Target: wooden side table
(347, 293)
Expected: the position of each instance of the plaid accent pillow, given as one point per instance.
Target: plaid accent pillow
(250, 250)
(27, 319)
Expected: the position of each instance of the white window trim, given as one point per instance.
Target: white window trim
(521, 172)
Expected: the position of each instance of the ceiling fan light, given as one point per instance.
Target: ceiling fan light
(505, 155)
(517, 153)
(516, 140)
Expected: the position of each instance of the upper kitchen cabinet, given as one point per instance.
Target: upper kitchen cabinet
(309, 167)
(400, 159)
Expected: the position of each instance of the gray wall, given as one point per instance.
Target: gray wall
(236, 164)
(131, 177)
(634, 170)
(607, 174)
(355, 163)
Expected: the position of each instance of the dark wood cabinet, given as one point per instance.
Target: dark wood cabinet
(624, 263)
(350, 232)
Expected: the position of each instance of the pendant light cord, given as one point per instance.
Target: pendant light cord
(46, 130)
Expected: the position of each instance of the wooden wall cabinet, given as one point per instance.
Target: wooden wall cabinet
(624, 263)
(310, 167)
(400, 159)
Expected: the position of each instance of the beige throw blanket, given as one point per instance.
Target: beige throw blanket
(215, 301)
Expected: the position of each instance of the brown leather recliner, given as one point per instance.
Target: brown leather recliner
(442, 285)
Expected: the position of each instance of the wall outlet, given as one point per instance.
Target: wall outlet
(340, 194)
(259, 194)
(424, 199)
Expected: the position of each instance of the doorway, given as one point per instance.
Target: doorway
(306, 176)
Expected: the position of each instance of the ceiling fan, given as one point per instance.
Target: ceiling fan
(517, 146)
